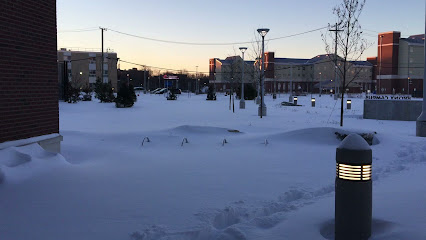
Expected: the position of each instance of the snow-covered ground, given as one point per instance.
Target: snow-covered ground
(273, 179)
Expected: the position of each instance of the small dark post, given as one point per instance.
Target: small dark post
(313, 102)
(295, 100)
(348, 104)
(353, 200)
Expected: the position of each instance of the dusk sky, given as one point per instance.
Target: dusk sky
(219, 21)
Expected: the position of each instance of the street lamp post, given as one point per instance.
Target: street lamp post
(242, 102)
(380, 66)
(262, 107)
(258, 82)
(421, 121)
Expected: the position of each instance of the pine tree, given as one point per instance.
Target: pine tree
(124, 97)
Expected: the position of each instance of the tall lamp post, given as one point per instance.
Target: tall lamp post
(242, 102)
(262, 107)
(258, 82)
(421, 121)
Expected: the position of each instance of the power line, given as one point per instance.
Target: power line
(297, 34)
(79, 30)
(206, 43)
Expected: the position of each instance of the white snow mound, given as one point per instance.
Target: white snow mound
(321, 135)
(189, 129)
(20, 163)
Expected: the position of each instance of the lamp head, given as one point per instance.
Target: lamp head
(263, 31)
(243, 49)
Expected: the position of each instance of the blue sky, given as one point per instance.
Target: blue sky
(220, 21)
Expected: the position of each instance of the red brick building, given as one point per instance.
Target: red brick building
(399, 64)
(29, 80)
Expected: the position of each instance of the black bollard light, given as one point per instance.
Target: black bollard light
(353, 199)
(295, 100)
(313, 102)
(348, 104)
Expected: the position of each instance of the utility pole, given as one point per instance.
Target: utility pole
(102, 61)
(144, 80)
(336, 31)
(196, 79)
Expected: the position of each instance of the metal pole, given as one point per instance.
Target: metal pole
(242, 102)
(408, 70)
(262, 100)
(380, 65)
(102, 61)
(290, 98)
(258, 84)
(196, 77)
(144, 80)
(421, 121)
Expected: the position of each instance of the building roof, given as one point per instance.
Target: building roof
(291, 60)
(362, 63)
(419, 39)
(321, 58)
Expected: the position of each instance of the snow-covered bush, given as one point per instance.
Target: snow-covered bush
(125, 97)
(103, 91)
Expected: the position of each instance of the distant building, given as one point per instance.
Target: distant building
(305, 75)
(225, 73)
(29, 110)
(85, 67)
(399, 64)
(132, 76)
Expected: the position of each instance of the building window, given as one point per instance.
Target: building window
(105, 72)
(411, 49)
(303, 68)
(411, 60)
(92, 73)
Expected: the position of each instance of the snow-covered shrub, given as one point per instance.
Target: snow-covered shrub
(103, 91)
(124, 97)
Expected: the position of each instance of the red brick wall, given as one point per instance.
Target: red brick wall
(269, 65)
(212, 68)
(28, 69)
(387, 60)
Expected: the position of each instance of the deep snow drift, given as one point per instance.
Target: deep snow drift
(237, 177)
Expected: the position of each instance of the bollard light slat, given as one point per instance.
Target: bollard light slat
(353, 172)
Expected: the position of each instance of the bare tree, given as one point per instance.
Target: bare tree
(349, 44)
(256, 54)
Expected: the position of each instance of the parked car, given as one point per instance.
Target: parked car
(155, 90)
(138, 88)
(87, 97)
(161, 91)
(176, 91)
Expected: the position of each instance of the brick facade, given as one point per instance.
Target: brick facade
(28, 67)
